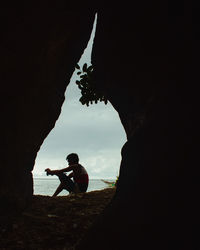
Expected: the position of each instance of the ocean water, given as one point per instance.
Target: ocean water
(48, 185)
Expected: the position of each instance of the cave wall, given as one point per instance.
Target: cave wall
(143, 58)
(40, 46)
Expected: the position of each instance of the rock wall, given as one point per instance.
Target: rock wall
(143, 59)
(40, 46)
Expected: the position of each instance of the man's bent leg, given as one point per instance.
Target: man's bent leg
(66, 182)
(58, 190)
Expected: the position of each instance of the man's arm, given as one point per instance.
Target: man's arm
(58, 171)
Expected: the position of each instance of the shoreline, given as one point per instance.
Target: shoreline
(56, 222)
(46, 186)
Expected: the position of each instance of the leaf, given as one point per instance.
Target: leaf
(90, 68)
(85, 67)
(77, 82)
(83, 76)
(77, 66)
(83, 82)
(82, 100)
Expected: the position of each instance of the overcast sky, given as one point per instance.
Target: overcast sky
(94, 133)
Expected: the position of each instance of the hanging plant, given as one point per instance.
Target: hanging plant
(86, 84)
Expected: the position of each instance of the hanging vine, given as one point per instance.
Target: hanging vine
(86, 84)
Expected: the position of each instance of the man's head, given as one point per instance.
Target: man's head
(72, 158)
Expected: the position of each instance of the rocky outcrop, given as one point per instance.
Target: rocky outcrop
(141, 69)
(40, 47)
(142, 57)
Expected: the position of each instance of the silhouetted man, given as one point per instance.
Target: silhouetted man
(79, 174)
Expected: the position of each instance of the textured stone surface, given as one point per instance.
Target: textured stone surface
(144, 61)
(40, 46)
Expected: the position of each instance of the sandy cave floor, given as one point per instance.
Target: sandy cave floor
(55, 223)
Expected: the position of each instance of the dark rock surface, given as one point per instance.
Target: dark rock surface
(145, 68)
(40, 47)
(144, 60)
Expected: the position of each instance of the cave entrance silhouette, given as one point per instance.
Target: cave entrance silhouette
(95, 133)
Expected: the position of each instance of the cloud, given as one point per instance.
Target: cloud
(94, 132)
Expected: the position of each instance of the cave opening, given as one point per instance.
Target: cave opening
(95, 133)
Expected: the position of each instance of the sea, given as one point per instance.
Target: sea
(47, 186)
